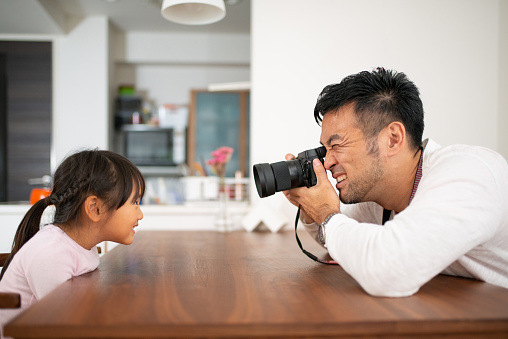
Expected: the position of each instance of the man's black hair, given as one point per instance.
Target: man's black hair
(379, 97)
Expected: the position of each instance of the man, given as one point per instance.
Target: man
(444, 209)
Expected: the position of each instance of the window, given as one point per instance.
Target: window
(219, 119)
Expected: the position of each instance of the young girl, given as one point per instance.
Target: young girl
(96, 196)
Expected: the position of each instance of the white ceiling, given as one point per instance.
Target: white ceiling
(60, 16)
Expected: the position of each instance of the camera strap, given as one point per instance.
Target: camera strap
(307, 253)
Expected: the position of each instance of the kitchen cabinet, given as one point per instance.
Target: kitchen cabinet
(25, 116)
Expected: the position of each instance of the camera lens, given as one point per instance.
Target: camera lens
(284, 175)
(276, 177)
(265, 179)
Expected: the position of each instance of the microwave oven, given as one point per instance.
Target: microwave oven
(149, 145)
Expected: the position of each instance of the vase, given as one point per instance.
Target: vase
(223, 221)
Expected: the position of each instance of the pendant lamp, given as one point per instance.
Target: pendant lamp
(193, 12)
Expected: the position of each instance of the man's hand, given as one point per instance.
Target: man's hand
(317, 202)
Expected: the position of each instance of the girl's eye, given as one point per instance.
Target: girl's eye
(136, 202)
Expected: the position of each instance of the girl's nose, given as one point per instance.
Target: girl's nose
(140, 214)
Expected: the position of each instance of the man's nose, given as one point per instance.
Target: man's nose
(329, 162)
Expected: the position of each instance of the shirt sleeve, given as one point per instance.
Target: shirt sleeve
(312, 230)
(456, 208)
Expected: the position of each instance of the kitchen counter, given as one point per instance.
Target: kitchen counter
(198, 215)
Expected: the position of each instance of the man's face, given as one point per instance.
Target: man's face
(353, 161)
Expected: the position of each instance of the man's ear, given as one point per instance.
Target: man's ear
(394, 137)
(93, 208)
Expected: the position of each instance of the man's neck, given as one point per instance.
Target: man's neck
(401, 185)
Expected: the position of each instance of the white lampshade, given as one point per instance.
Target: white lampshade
(193, 12)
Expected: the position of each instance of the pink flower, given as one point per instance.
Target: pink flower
(221, 157)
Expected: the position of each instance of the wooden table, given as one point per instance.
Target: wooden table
(204, 284)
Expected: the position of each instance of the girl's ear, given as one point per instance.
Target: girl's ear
(93, 208)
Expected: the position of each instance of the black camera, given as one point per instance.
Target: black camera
(284, 175)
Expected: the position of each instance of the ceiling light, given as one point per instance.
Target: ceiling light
(196, 12)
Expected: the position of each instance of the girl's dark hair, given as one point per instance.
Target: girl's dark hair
(107, 175)
(380, 97)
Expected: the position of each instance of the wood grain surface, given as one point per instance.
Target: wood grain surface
(177, 284)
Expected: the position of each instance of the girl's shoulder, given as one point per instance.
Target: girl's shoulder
(50, 230)
(46, 237)
(52, 245)
(49, 238)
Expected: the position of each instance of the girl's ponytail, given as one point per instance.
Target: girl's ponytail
(27, 229)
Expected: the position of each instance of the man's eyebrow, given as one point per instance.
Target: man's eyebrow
(333, 137)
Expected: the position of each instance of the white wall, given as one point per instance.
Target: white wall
(185, 48)
(166, 67)
(503, 78)
(80, 87)
(448, 48)
(171, 84)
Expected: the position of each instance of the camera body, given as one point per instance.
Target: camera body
(284, 175)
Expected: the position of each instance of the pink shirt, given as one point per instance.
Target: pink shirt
(43, 263)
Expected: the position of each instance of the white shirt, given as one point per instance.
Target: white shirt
(457, 224)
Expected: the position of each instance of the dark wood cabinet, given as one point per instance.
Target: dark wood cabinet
(25, 124)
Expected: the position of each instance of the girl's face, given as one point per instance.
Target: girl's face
(120, 225)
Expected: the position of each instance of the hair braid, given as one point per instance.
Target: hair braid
(69, 193)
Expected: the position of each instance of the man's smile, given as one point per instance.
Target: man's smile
(340, 177)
